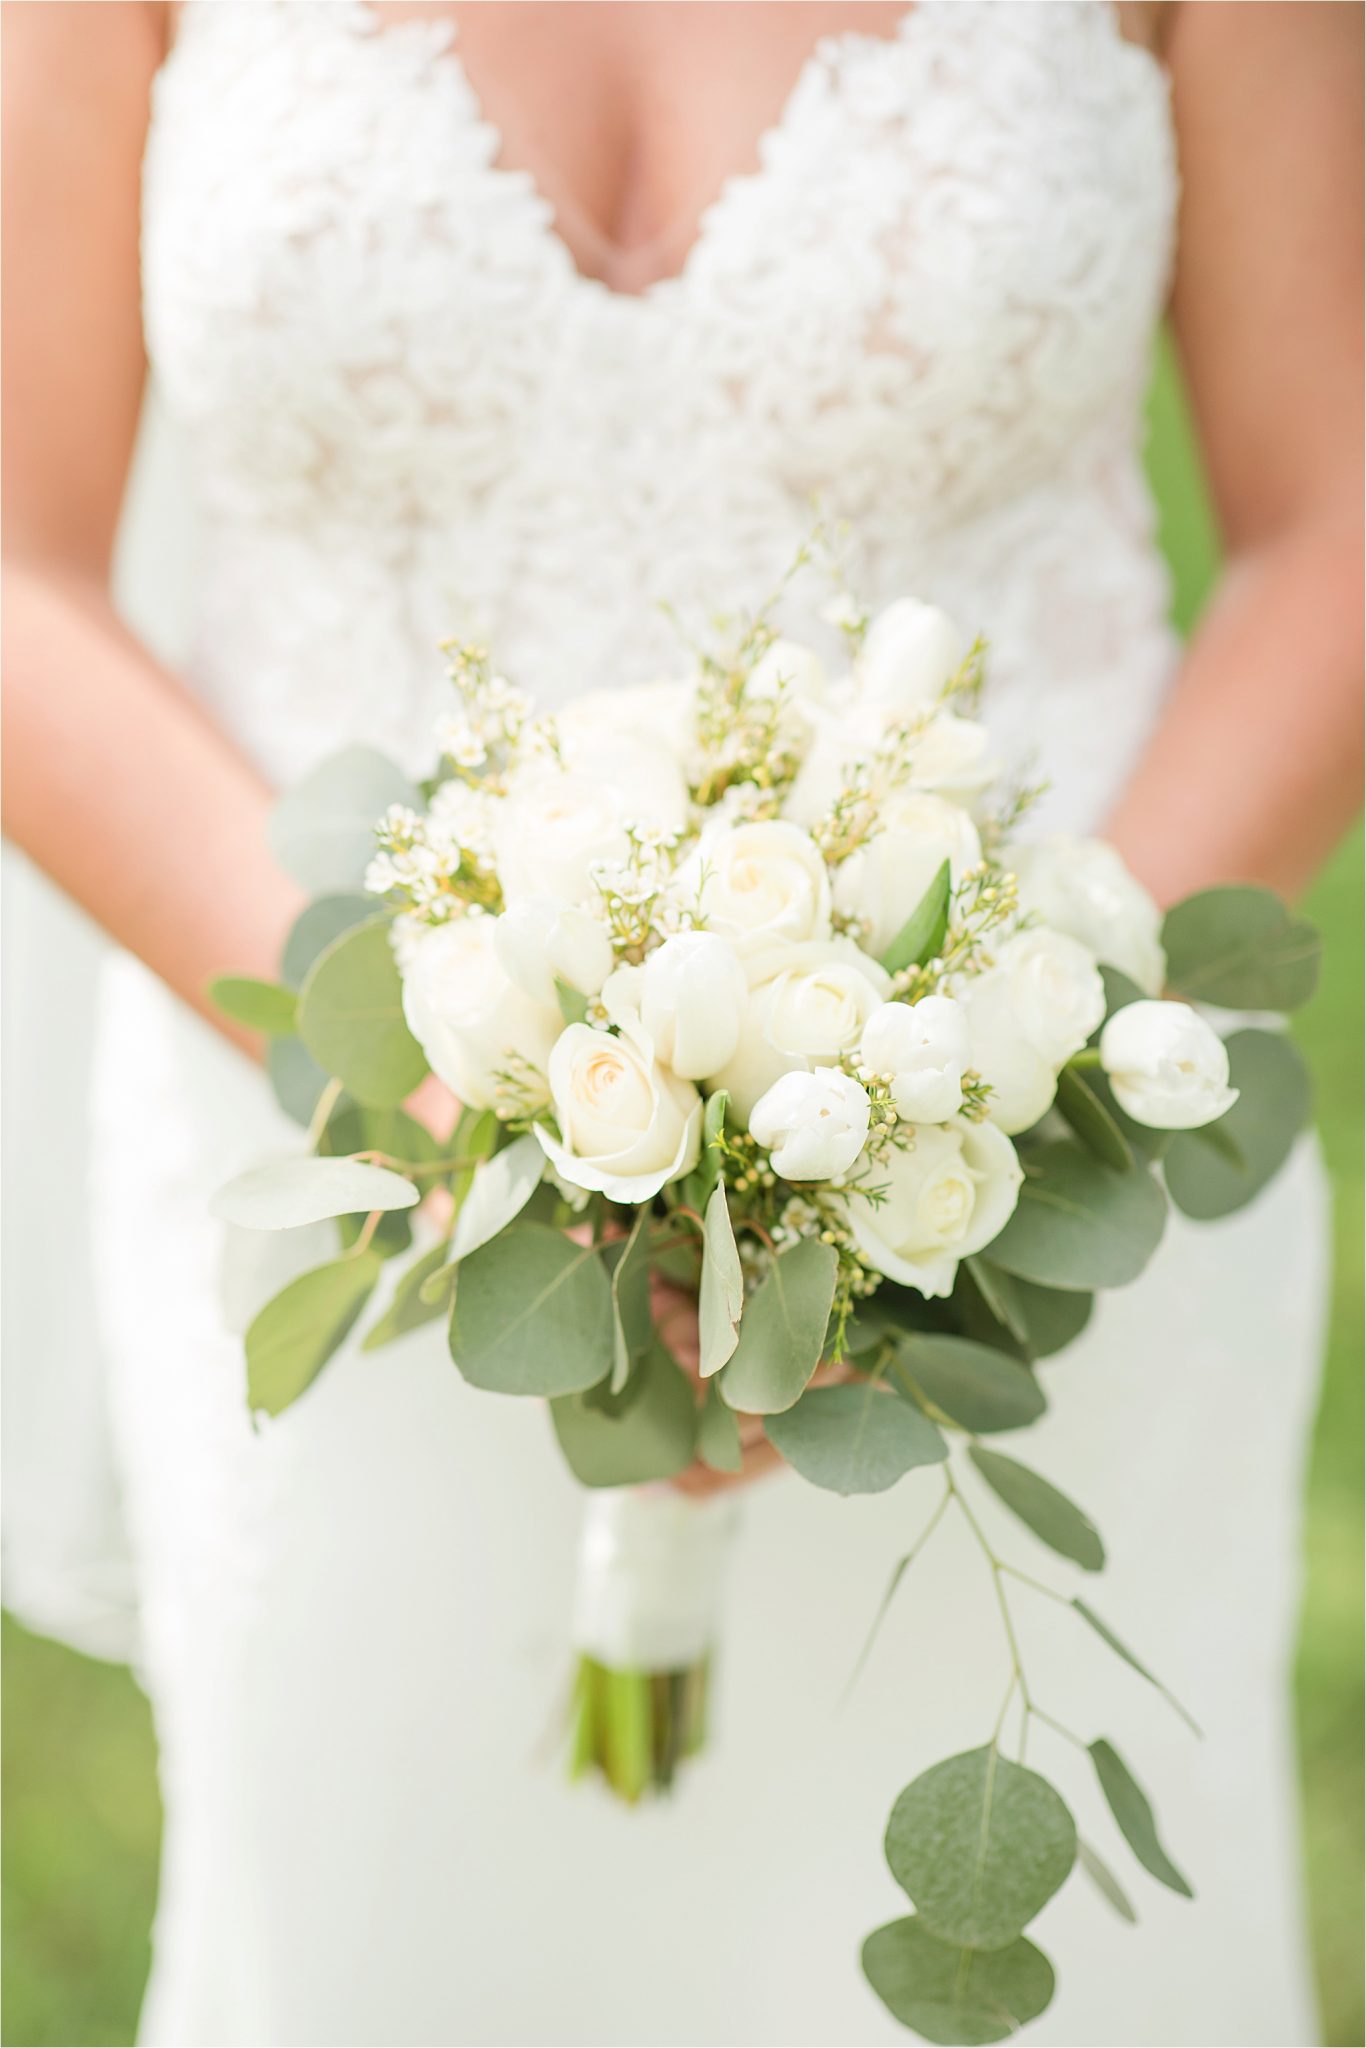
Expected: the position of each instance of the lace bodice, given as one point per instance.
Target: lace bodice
(928, 309)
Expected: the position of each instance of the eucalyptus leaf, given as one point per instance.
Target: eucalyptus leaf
(314, 929)
(351, 1018)
(718, 1434)
(292, 1338)
(922, 935)
(952, 1994)
(1134, 1816)
(978, 1388)
(1112, 1641)
(721, 1296)
(533, 1314)
(980, 1845)
(1105, 1882)
(290, 1192)
(295, 1078)
(1078, 1224)
(1242, 949)
(1054, 1519)
(1000, 1296)
(707, 1171)
(1219, 1169)
(573, 1004)
(1081, 1103)
(646, 1432)
(783, 1331)
(1054, 1316)
(261, 1005)
(632, 1324)
(856, 1438)
(500, 1190)
(351, 1129)
(410, 1309)
(322, 831)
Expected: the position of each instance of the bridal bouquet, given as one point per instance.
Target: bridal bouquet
(745, 985)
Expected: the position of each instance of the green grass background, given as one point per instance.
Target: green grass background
(80, 1815)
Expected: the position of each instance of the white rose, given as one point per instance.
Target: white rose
(542, 940)
(1082, 887)
(923, 1050)
(946, 1196)
(882, 882)
(551, 831)
(465, 1013)
(1055, 989)
(627, 1125)
(911, 651)
(813, 1126)
(806, 1015)
(1168, 1068)
(692, 996)
(759, 884)
(788, 666)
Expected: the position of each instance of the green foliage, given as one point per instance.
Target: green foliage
(294, 1191)
(721, 1297)
(533, 1314)
(296, 1079)
(291, 1340)
(1242, 949)
(1108, 1637)
(1134, 1816)
(718, 1433)
(401, 1138)
(954, 1994)
(499, 1190)
(645, 1432)
(322, 831)
(1105, 1882)
(979, 1845)
(261, 1005)
(783, 1331)
(632, 1323)
(1213, 1171)
(1084, 1107)
(857, 1438)
(706, 1173)
(1054, 1519)
(351, 1018)
(977, 1387)
(314, 929)
(1079, 1224)
(410, 1309)
(922, 935)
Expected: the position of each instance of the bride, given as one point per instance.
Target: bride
(500, 319)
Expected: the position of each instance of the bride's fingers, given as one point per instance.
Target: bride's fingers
(758, 1457)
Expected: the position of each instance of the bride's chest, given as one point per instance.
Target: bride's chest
(945, 266)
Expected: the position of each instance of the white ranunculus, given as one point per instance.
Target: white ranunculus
(467, 1015)
(923, 1050)
(627, 1125)
(551, 831)
(813, 1126)
(693, 994)
(542, 940)
(807, 1014)
(760, 883)
(911, 651)
(946, 1196)
(1055, 990)
(881, 883)
(1022, 1082)
(1167, 1066)
(1082, 887)
(789, 666)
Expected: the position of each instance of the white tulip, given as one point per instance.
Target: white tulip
(1022, 1082)
(469, 1018)
(881, 883)
(806, 1015)
(922, 1049)
(693, 994)
(1167, 1066)
(627, 1126)
(911, 651)
(813, 1126)
(946, 1196)
(1082, 887)
(542, 940)
(759, 883)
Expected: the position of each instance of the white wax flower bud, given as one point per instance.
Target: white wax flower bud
(813, 1126)
(542, 940)
(693, 995)
(911, 651)
(924, 1049)
(1167, 1066)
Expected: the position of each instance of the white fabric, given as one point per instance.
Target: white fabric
(650, 1580)
(406, 414)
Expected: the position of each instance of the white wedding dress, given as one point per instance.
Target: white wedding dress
(407, 414)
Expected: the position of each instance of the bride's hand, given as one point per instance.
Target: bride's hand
(675, 1312)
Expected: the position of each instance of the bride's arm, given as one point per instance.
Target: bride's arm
(114, 781)
(1256, 768)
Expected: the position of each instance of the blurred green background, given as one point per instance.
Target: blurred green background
(80, 1806)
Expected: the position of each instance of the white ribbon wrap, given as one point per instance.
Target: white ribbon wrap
(651, 1570)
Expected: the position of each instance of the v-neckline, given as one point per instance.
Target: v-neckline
(443, 33)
